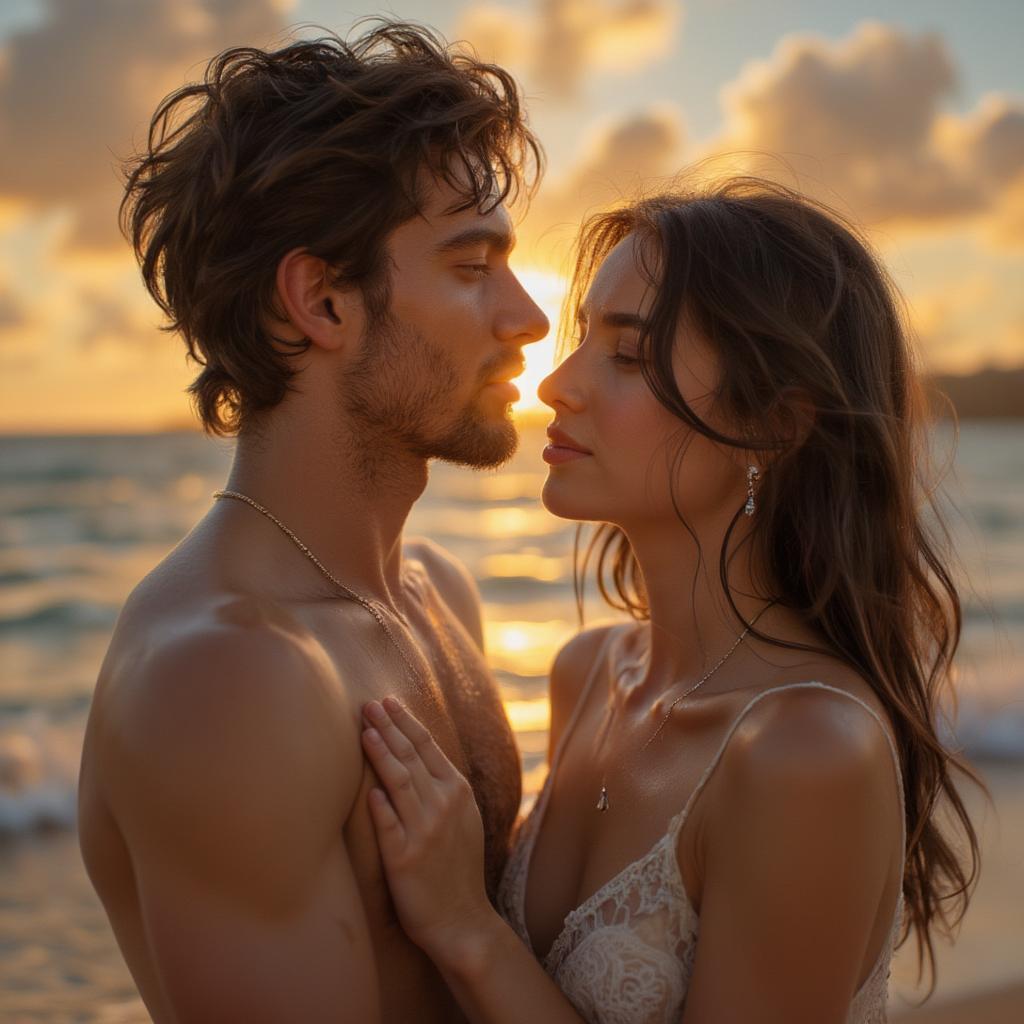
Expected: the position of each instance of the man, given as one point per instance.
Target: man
(327, 230)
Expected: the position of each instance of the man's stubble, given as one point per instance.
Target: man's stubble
(399, 396)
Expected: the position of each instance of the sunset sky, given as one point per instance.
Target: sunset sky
(909, 116)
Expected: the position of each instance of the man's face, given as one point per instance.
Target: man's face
(433, 375)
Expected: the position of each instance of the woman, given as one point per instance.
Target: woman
(739, 819)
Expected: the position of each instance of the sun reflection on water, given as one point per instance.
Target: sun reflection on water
(525, 648)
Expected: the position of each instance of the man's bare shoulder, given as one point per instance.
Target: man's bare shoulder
(453, 581)
(234, 709)
(237, 652)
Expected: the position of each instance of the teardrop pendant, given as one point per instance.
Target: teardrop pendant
(602, 800)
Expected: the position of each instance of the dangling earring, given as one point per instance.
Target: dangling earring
(753, 474)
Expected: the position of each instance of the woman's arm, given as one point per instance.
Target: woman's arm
(798, 845)
(431, 841)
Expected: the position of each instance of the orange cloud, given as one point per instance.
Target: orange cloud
(73, 90)
(622, 158)
(860, 122)
(558, 43)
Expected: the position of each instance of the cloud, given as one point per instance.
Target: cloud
(74, 90)
(860, 121)
(622, 158)
(12, 314)
(559, 42)
(990, 140)
(945, 319)
(86, 352)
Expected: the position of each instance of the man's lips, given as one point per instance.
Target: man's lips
(507, 375)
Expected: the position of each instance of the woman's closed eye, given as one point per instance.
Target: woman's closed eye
(625, 359)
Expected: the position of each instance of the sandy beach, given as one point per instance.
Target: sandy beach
(981, 975)
(1005, 1006)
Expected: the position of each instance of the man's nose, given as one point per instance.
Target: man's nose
(525, 321)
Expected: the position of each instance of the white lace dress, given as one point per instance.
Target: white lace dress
(625, 955)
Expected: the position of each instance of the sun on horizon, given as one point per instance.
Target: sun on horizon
(548, 291)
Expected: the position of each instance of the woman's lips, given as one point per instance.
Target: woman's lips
(555, 455)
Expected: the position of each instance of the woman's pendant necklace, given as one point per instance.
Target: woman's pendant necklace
(603, 803)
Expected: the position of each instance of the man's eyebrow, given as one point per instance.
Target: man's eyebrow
(503, 242)
(616, 319)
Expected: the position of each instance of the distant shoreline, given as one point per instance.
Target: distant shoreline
(998, 1006)
(989, 394)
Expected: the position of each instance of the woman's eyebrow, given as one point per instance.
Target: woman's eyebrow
(503, 242)
(614, 318)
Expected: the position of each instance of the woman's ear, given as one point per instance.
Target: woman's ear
(786, 424)
(796, 416)
(328, 315)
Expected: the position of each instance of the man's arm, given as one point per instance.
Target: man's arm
(232, 771)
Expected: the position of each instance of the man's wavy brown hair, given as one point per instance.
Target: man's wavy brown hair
(817, 373)
(319, 145)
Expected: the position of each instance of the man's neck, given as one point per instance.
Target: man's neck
(344, 496)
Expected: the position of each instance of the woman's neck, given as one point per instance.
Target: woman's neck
(692, 625)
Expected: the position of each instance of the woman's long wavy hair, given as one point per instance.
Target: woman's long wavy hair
(817, 373)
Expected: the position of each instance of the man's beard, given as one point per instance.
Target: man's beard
(401, 390)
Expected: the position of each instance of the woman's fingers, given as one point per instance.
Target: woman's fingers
(397, 777)
(390, 833)
(419, 736)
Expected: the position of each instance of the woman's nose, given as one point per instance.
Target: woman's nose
(559, 388)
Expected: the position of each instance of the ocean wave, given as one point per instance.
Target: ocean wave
(38, 809)
(52, 570)
(987, 731)
(63, 615)
(500, 590)
(38, 773)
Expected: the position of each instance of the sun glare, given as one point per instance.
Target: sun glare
(548, 291)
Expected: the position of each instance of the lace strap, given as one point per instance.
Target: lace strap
(677, 822)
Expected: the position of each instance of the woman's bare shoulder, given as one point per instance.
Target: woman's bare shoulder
(575, 658)
(571, 669)
(812, 725)
(812, 747)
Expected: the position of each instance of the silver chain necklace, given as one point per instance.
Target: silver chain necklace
(375, 608)
(603, 802)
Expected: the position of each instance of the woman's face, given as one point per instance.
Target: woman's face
(604, 407)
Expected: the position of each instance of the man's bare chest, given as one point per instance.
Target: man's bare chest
(480, 741)
(430, 663)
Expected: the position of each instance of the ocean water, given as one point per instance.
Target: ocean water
(82, 519)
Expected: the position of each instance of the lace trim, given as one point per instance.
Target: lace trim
(647, 887)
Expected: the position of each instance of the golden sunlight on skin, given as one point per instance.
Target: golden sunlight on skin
(548, 291)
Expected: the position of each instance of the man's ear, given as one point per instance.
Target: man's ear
(329, 315)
